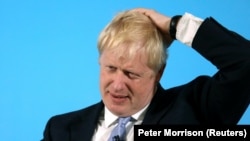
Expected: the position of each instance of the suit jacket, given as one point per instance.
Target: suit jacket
(220, 99)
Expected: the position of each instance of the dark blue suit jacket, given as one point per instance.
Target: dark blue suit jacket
(216, 100)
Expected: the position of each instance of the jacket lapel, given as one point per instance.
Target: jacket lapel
(158, 107)
(83, 129)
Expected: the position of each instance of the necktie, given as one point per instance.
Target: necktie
(118, 133)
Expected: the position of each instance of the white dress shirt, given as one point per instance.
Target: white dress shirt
(186, 30)
(108, 121)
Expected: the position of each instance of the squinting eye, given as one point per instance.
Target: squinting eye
(131, 75)
(111, 68)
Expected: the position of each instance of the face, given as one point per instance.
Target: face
(126, 86)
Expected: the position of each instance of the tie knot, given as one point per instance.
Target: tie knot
(119, 132)
(124, 120)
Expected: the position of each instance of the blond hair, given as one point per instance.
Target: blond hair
(130, 31)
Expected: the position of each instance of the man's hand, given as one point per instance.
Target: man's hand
(161, 21)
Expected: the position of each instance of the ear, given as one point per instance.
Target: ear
(160, 72)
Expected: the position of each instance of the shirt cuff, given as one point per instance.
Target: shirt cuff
(187, 28)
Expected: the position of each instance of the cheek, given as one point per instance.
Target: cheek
(144, 90)
(104, 80)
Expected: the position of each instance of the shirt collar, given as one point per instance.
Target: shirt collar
(110, 118)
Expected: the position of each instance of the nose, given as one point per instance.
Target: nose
(119, 81)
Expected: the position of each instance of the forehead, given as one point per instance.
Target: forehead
(124, 57)
(126, 51)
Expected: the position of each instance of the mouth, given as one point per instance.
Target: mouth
(119, 98)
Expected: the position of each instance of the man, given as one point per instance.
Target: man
(133, 52)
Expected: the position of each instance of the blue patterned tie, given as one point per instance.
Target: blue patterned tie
(119, 132)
